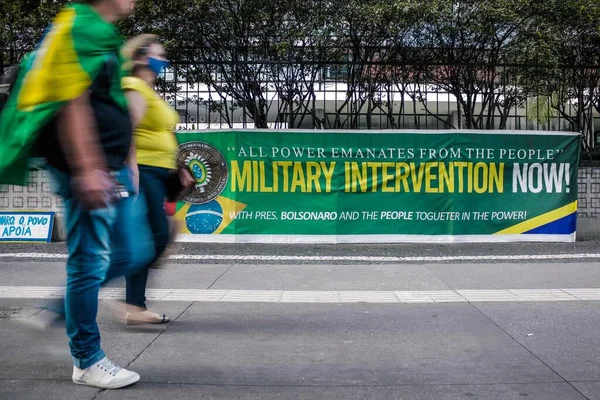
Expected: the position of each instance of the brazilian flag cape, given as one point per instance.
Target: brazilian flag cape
(65, 64)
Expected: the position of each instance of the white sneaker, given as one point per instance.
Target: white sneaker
(105, 375)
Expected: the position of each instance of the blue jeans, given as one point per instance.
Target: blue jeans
(101, 247)
(153, 191)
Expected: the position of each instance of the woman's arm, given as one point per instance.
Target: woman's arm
(137, 106)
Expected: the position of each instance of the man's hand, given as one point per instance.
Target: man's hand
(186, 179)
(186, 183)
(94, 189)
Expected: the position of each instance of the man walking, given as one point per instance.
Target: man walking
(68, 99)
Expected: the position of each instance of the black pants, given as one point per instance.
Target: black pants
(153, 187)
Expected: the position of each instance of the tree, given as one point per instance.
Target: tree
(23, 23)
(569, 41)
(248, 52)
(305, 45)
(268, 58)
(468, 41)
(375, 36)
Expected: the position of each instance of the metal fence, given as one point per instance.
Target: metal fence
(350, 95)
(373, 95)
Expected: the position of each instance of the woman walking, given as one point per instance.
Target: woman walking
(156, 147)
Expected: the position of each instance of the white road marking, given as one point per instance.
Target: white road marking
(327, 297)
(391, 259)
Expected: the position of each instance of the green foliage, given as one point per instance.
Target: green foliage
(494, 56)
(22, 24)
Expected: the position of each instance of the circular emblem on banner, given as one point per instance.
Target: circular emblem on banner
(209, 168)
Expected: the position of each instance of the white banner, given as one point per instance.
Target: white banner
(26, 226)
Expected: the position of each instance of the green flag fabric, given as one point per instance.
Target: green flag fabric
(61, 69)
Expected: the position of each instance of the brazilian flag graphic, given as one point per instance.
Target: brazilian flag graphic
(62, 68)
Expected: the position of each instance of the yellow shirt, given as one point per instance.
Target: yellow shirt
(155, 141)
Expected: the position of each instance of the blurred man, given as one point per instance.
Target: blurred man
(68, 99)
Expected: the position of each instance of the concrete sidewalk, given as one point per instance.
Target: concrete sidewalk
(310, 351)
(493, 349)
